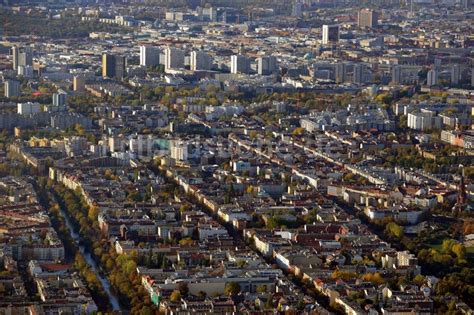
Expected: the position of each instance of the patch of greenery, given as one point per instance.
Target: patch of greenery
(40, 25)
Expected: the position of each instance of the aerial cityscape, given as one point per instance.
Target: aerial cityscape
(236, 157)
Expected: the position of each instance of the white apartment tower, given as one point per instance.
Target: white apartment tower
(340, 72)
(359, 74)
(267, 65)
(455, 74)
(239, 64)
(12, 88)
(330, 34)
(60, 98)
(179, 150)
(432, 78)
(149, 56)
(174, 58)
(397, 74)
(200, 60)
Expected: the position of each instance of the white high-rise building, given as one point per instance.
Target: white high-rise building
(367, 18)
(405, 74)
(213, 14)
(116, 144)
(25, 71)
(239, 64)
(267, 65)
(340, 72)
(114, 66)
(149, 56)
(432, 78)
(142, 145)
(22, 56)
(79, 83)
(60, 98)
(179, 150)
(174, 58)
(397, 74)
(296, 10)
(466, 4)
(28, 108)
(12, 88)
(200, 60)
(424, 121)
(330, 34)
(358, 76)
(455, 74)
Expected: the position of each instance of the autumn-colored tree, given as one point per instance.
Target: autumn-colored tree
(394, 230)
(186, 242)
(337, 274)
(375, 278)
(232, 289)
(419, 280)
(459, 250)
(93, 213)
(298, 131)
(262, 289)
(175, 296)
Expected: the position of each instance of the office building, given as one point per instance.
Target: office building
(25, 71)
(28, 108)
(424, 121)
(179, 150)
(213, 14)
(405, 74)
(267, 65)
(396, 74)
(432, 77)
(455, 74)
(199, 60)
(22, 56)
(60, 98)
(296, 10)
(116, 144)
(12, 88)
(113, 66)
(174, 58)
(79, 83)
(149, 56)
(14, 54)
(340, 72)
(330, 34)
(239, 64)
(358, 76)
(367, 18)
